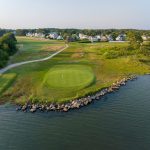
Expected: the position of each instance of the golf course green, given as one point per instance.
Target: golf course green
(69, 76)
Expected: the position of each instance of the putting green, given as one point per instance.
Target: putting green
(69, 76)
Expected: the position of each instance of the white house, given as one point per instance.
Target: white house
(30, 34)
(93, 39)
(98, 37)
(53, 35)
(121, 37)
(39, 35)
(60, 37)
(83, 37)
(145, 37)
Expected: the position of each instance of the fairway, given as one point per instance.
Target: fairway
(34, 48)
(69, 76)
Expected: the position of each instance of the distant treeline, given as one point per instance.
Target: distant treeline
(3, 31)
(90, 32)
(68, 32)
(7, 47)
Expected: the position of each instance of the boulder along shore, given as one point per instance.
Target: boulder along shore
(76, 103)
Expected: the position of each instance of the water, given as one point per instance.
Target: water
(120, 121)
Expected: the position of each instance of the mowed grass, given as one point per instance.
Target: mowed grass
(35, 48)
(69, 76)
(6, 80)
(83, 67)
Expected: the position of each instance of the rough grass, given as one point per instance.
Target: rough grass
(5, 81)
(29, 82)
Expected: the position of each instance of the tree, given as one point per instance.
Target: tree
(3, 58)
(114, 35)
(146, 48)
(135, 39)
(21, 32)
(7, 47)
(8, 42)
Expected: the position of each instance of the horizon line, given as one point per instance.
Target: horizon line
(74, 28)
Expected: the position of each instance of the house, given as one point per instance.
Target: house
(121, 37)
(98, 37)
(30, 34)
(145, 38)
(90, 38)
(53, 35)
(93, 39)
(60, 37)
(39, 35)
(70, 39)
(104, 38)
(83, 37)
(110, 38)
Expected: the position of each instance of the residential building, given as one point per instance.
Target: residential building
(60, 37)
(53, 35)
(104, 38)
(83, 37)
(145, 38)
(121, 37)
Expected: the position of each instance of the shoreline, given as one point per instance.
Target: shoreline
(76, 103)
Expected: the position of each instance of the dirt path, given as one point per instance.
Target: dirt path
(31, 61)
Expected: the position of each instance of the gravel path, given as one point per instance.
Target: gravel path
(32, 61)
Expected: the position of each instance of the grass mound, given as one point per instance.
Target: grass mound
(69, 76)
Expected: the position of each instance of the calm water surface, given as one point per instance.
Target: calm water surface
(120, 121)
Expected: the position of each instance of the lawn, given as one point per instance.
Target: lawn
(34, 48)
(79, 70)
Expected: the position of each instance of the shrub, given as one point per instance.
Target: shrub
(111, 54)
(84, 41)
(145, 49)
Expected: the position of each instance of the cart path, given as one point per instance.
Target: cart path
(31, 61)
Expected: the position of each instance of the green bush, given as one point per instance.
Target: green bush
(111, 54)
(84, 41)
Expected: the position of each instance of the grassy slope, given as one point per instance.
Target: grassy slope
(29, 82)
(34, 48)
(5, 79)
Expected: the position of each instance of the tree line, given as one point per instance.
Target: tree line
(89, 32)
(4, 31)
(7, 47)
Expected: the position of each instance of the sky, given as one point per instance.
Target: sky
(89, 14)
